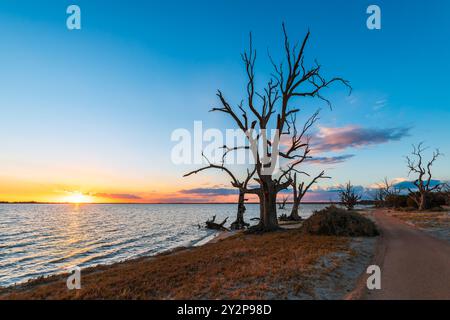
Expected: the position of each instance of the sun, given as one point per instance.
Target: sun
(78, 197)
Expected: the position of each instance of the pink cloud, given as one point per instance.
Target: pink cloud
(340, 138)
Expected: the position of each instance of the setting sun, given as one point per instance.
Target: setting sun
(78, 197)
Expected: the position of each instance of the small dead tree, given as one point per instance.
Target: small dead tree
(239, 223)
(299, 192)
(419, 166)
(385, 189)
(282, 205)
(349, 197)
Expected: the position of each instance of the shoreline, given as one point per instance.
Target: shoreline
(331, 268)
(321, 258)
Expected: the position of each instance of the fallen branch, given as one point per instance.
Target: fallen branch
(211, 224)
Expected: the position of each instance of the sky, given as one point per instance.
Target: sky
(87, 115)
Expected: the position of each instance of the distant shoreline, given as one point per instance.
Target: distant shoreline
(147, 203)
(35, 202)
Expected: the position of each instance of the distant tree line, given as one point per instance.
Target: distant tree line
(425, 195)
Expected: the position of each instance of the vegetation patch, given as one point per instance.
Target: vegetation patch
(333, 221)
(426, 220)
(276, 265)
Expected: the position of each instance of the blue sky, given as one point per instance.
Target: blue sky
(92, 110)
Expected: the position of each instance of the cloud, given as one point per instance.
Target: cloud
(410, 184)
(210, 191)
(330, 160)
(125, 196)
(340, 138)
(379, 104)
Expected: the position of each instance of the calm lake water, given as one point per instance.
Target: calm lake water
(37, 239)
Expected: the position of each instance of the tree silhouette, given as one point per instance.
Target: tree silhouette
(349, 197)
(271, 108)
(241, 185)
(416, 164)
(299, 192)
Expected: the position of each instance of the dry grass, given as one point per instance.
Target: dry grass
(426, 220)
(275, 265)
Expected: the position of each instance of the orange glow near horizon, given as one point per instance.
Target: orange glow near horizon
(78, 197)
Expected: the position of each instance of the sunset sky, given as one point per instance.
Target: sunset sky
(87, 115)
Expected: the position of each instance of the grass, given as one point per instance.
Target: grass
(275, 265)
(426, 220)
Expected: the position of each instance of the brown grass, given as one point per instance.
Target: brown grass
(424, 220)
(275, 265)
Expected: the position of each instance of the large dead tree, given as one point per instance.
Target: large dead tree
(299, 192)
(241, 185)
(271, 108)
(419, 166)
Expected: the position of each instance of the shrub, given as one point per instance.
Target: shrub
(411, 203)
(436, 199)
(396, 201)
(349, 197)
(334, 221)
(433, 200)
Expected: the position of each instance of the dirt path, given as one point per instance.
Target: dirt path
(414, 265)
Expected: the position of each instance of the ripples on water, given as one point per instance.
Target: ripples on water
(37, 239)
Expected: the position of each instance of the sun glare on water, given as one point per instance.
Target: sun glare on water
(78, 197)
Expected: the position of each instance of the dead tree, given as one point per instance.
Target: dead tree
(423, 180)
(282, 205)
(239, 223)
(349, 197)
(385, 189)
(299, 192)
(211, 224)
(271, 108)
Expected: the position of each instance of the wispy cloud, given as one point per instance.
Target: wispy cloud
(379, 104)
(118, 196)
(209, 191)
(330, 160)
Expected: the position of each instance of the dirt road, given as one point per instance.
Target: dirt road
(414, 265)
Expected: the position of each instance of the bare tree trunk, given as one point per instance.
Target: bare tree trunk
(269, 203)
(422, 204)
(268, 220)
(297, 198)
(240, 223)
(294, 213)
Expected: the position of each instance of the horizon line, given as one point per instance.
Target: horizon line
(146, 203)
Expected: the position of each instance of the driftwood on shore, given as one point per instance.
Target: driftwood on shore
(211, 224)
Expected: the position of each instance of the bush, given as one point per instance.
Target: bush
(396, 201)
(411, 203)
(334, 221)
(436, 199)
(433, 200)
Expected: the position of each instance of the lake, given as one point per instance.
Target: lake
(40, 239)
